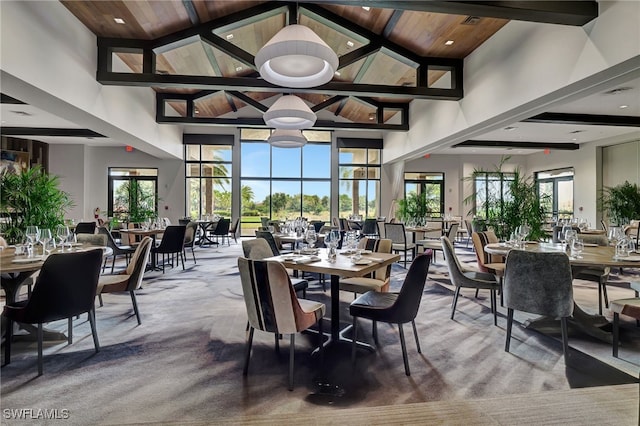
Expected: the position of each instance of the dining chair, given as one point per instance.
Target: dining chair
(190, 238)
(462, 277)
(66, 287)
(275, 246)
(628, 307)
(233, 229)
(395, 308)
(487, 262)
(397, 234)
(130, 279)
(538, 283)
(85, 228)
(435, 244)
(172, 243)
(273, 307)
(118, 250)
(370, 228)
(222, 231)
(259, 249)
(379, 279)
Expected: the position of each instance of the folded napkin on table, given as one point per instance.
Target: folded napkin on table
(307, 259)
(375, 259)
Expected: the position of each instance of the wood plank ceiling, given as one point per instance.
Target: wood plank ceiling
(410, 34)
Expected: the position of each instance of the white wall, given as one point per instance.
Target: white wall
(621, 163)
(83, 172)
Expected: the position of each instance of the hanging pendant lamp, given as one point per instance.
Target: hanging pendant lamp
(289, 112)
(282, 138)
(296, 57)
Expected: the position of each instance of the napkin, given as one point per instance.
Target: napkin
(375, 259)
(307, 259)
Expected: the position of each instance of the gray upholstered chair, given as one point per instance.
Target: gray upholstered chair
(629, 307)
(435, 244)
(98, 240)
(379, 279)
(465, 278)
(190, 239)
(538, 283)
(597, 274)
(272, 306)
(397, 234)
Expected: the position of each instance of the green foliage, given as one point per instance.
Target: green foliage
(141, 201)
(413, 206)
(621, 202)
(520, 204)
(31, 197)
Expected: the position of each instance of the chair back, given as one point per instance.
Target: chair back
(381, 230)
(378, 245)
(93, 239)
(85, 228)
(172, 239)
(481, 239)
(110, 241)
(223, 227)
(256, 249)
(234, 226)
(65, 287)
(190, 233)
(370, 227)
(538, 283)
(407, 304)
(269, 297)
(138, 264)
(453, 231)
(344, 224)
(604, 226)
(395, 232)
(456, 271)
(272, 241)
(3, 243)
(317, 225)
(264, 221)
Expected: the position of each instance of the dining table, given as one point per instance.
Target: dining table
(151, 232)
(207, 227)
(342, 267)
(593, 256)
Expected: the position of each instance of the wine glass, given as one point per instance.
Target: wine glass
(45, 237)
(62, 233)
(311, 237)
(577, 247)
(563, 234)
(33, 235)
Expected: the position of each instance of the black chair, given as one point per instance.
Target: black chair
(66, 287)
(370, 228)
(190, 238)
(172, 243)
(233, 230)
(85, 228)
(317, 224)
(222, 231)
(538, 283)
(118, 250)
(395, 308)
(272, 241)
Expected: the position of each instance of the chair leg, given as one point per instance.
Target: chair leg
(40, 362)
(509, 324)
(7, 342)
(247, 353)
(374, 331)
(353, 343)
(292, 351)
(477, 292)
(321, 344)
(135, 306)
(69, 330)
(455, 302)
(194, 255)
(182, 259)
(404, 351)
(94, 330)
(277, 336)
(415, 334)
(113, 263)
(494, 308)
(600, 298)
(604, 292)
(565, 338)
(100, 299)
(616, 333)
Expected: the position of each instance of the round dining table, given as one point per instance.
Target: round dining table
(593, 256)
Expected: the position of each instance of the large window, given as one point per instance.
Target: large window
(133, 194)
(359, 170)
(558, 186)
(208, 180)
(430, 184)
(491, 189)
(281, 183)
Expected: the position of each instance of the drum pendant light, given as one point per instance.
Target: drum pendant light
(282, 138)
(289, 112)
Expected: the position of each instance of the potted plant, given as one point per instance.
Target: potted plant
(136, 203)
(413, 206)
(31, 197)
(621, 203)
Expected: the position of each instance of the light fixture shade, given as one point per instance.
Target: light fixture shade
(296, 57)
(289, 112)
(282, 138)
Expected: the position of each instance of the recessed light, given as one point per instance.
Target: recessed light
(372, 116)
(367, 8)
(337, 73)
(197, 111)
(23, 113)
(349, 43)
(448, 42)
(229, 36)
(238, 69)
(618, 90)
(119, 20)
(510, 128)
(623, 106)
(574, 139)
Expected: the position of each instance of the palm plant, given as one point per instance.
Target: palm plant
(621, 202)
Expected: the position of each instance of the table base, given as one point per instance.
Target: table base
(595, 326)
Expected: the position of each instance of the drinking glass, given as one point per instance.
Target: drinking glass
(563, 234)
(45, 237)
(33, 236)
(311, 237)
(577, 247)
(62, 233)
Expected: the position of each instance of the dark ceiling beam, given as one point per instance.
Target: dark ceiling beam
(575, 13)
(245, 84)
(248, 100)
(357, 79)
(49, 131)
(585, 119)
(391, 23)
(518, 144)
(229, 48)
(327, 103)
(354, 56)
(231, 103)
(259, 123)
(6, 99)
(191, 12)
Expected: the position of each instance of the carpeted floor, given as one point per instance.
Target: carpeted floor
(184, 363)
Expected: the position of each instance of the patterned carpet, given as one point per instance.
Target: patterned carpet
(184, 363)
